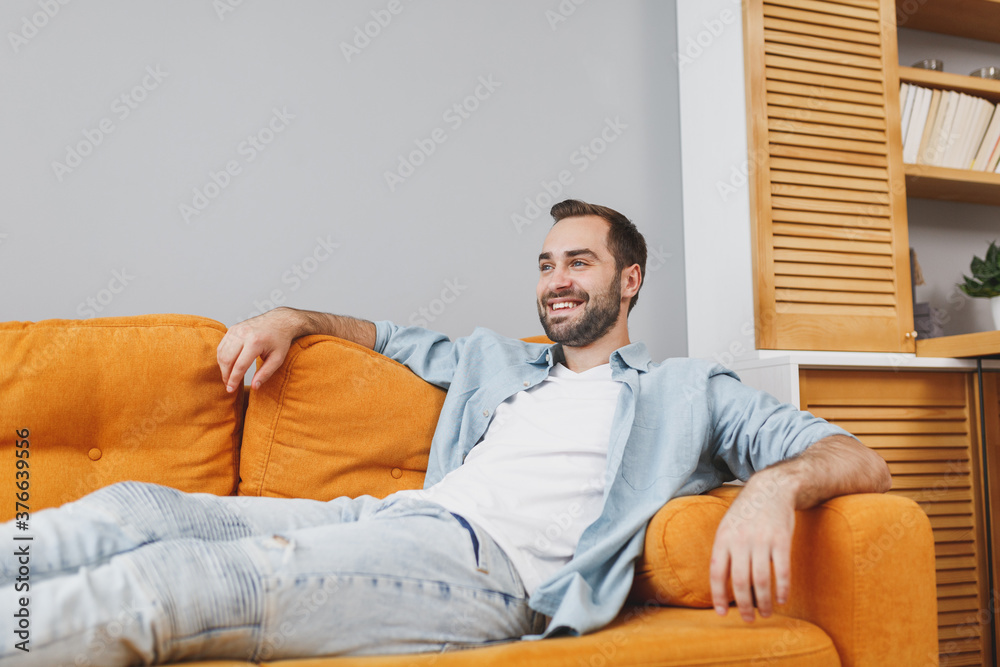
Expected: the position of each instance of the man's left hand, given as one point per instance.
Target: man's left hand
(755, 534)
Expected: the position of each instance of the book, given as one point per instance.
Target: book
(929, 126)
(905, 107)
(985, 118)
(921, 106)
(979, 120)
(989, 142)
(939, 137)
(994, 164)
(959, 129)
(947, 128)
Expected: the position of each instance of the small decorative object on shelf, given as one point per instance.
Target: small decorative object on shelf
(926, 319)
(933, 63)
(987, 73)
(985, 280)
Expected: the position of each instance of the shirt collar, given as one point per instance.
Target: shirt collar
(633, 355)
(547, 355)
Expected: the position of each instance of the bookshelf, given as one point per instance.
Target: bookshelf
(829, 208)
(971, 19)
(958, 185)
(975, 20)
(988, 88)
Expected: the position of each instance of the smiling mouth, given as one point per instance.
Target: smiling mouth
(564, 306)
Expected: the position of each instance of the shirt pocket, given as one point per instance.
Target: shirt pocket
(647, 466)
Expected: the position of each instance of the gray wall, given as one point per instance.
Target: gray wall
(156, 97)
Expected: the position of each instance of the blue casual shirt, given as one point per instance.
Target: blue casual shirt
(681, 427)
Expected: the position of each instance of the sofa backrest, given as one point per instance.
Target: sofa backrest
(97, 401)
(337, 419)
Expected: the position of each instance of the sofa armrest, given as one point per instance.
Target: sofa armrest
(862, 569)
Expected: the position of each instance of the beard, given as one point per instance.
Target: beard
(598, 318)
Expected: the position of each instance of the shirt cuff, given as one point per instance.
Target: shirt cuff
(384, 330)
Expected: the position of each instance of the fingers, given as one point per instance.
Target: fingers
(271, 364)
(761, 568)
(743, 556)
(740, 572)
(719, 576)
(226, 354)
(235, 354)
(240, 367)
(267, 336)
(781, 557)
(733, 563)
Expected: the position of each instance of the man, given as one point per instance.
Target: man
(486, 551)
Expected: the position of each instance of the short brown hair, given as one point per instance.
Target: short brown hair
(625, 242)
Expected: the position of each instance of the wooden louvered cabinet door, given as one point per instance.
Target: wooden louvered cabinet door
(926, 426)
(827, 189)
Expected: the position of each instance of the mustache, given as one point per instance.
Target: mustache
(582, 296)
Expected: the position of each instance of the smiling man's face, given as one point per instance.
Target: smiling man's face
(579, 288)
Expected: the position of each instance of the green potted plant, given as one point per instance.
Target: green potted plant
(985, 280)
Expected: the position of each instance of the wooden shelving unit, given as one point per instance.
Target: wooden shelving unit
(974, 19)
(828, 199)
(971, 19)
(958, 185)
(978, 20)
(982, 344)
(971, 85)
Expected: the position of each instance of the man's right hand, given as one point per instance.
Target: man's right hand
(268, 336)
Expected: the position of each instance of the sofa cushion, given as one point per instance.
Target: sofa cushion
(661, 636)
(674, 567)
(110, 399)
(337, 419)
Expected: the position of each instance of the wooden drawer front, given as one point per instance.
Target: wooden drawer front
(925, 425)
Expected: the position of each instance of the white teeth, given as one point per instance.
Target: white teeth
(563, 305)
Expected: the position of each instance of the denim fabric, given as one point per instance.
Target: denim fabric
(140, 573)
(681, 427)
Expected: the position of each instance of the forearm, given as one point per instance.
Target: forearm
(309, 322)
(834, 466)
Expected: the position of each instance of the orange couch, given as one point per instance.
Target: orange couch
(141, 398)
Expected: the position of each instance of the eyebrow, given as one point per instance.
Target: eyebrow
(585, 252)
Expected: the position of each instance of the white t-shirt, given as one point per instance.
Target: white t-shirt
(536, 479)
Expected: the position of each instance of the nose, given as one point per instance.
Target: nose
(559, 279)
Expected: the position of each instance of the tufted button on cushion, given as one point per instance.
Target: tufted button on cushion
(146, 388)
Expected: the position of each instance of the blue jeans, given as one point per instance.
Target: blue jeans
(142, 573)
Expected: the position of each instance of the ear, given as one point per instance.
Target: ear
(631, 281)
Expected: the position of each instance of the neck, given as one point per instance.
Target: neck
(580, 359)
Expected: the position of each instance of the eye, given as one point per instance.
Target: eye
(579, 262)
(544, 267)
